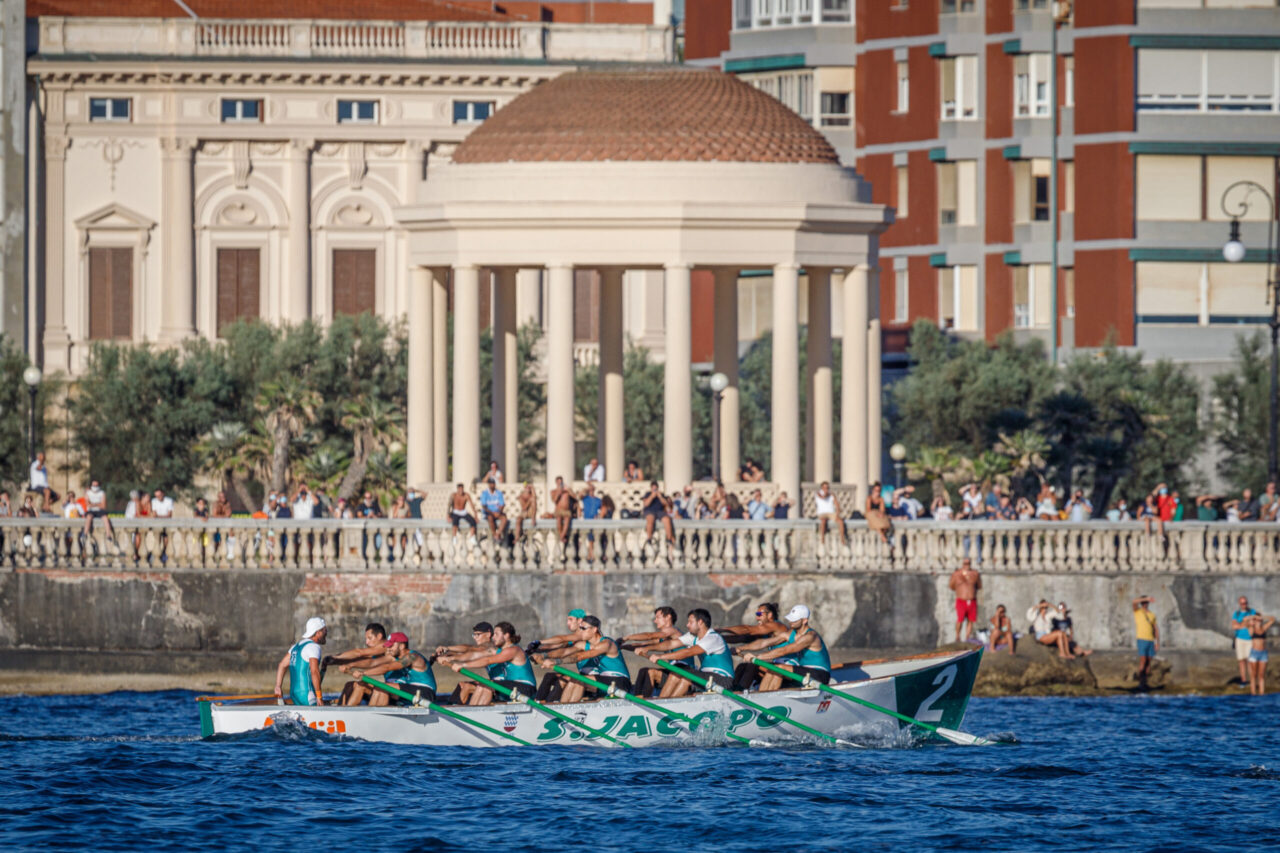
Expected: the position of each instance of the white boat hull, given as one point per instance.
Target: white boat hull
(933, 689)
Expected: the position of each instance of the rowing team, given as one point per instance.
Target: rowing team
(700, 651)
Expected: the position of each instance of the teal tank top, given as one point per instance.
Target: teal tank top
(521, 673)
(605, 665)
(427, 678)
(814, 658)
(720, 663)
(789, 660)
(301, 691)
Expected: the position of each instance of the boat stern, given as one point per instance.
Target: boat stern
(206, 718)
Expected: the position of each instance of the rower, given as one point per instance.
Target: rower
(508, 666)
(709, 651)
(375, 640)
(600, 653)
(665, 637)
(481, 641)
(767, 624)
(552, 684)
(801, 643)
(302, 662)
(411, 673)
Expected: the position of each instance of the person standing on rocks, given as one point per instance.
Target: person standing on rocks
(1148, 634)
(1244, 643)
(965, 583)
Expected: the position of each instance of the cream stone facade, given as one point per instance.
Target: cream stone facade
(276, 149)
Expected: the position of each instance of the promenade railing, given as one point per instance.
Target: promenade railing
(388, 545)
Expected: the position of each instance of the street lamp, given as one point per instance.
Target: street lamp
(897, 453)
(718, 383)
(32, 377)
(1234, 252)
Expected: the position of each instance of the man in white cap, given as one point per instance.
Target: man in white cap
(800, 644)
(302, 662)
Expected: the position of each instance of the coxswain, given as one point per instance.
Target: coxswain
(481, 641)
(508, 666)
(375, 641)
(800, 650)
(708, 650)
(554, 647)
(664, 638)
(600, 654)
(302, 662)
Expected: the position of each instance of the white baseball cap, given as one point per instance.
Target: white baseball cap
(797, 613)
(314, 624)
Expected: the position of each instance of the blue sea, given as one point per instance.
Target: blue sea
(128, 771)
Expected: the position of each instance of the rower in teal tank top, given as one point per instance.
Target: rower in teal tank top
(520, 673)
(720, 662)
(814, 658)
(604, 664)
(408, 675)
(301, 690)
(789, 660)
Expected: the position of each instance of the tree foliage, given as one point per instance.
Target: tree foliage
(1242, 414)
(15, 403)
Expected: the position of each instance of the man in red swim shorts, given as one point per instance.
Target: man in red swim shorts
(965, 583)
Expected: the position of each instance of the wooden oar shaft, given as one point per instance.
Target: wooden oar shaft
(379, 685)
(643, 703)
(825, 689)
(697, 679)
(509, 693)
(235, 698)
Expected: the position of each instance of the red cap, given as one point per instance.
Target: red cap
(397, 637)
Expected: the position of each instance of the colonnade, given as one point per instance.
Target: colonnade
(429, 458)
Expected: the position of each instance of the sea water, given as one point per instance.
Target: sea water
(128, 771)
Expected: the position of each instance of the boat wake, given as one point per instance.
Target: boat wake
(286, 728)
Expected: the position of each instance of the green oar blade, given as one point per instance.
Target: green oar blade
(511, 694)
(380, 685)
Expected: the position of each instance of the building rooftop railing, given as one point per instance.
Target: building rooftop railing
(343, 39)
(797, 545)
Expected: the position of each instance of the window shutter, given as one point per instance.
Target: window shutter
(366, 276)
(248, 277)
(354, 280)
(121, 293)
(226, 287)
(99, 294)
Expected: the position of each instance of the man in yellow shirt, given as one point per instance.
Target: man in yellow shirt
(1148, 634)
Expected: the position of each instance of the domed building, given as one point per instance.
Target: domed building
(661, 170)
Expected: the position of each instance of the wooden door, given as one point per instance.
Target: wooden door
(355, 281)
(238, 285)
(110, 293)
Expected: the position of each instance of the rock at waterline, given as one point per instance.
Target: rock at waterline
(1035, 670)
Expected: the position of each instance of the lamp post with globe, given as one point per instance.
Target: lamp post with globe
(32, 377)
(719, 382)
(897, 453)
(1234, 252)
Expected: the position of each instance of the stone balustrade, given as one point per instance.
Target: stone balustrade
(303, 39)
(620, 545)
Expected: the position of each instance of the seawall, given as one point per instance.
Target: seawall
(201, 620)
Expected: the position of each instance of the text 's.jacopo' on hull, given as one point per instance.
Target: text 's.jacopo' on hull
(933, 689)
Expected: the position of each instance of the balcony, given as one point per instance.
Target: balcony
(159, 38)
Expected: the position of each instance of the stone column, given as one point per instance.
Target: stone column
(466, 374)
(726, 362)
(819, 448)
(440, 374)
(506, 375)
(54, 339)
(874, 433)
(853, 383)
(677, 391)
(420, 428)
(178, 284)
(560, 460)
(611, 445)
(296, 303)
(529, 297)
(785, 383)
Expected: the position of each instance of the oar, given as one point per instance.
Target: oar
(612, 690)
(511, 694)
(441, 710)
(234, 698)
(962, 738)
(728, 694)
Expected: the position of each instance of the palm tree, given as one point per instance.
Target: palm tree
(325, 465)
(374, 424)
(990, 467)
(1027, 450)
(222, 451)
(938, 465)
(386, 473)
(290, 406)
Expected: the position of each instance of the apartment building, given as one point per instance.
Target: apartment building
(1162, 106)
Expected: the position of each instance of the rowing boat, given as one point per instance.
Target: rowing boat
(932, 688)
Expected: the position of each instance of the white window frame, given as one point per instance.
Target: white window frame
(471, 105)
(1031, 88)
(744, 15)
(901, 295)
(239, 116)
(954, 107)
(836, 119)
(904, 86)
(110, 102)
(355, 105)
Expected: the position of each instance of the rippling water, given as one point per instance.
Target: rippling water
(127, 771)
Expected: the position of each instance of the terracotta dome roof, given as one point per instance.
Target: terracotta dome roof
(645, 115)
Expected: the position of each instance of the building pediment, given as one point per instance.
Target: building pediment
(114, 217)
